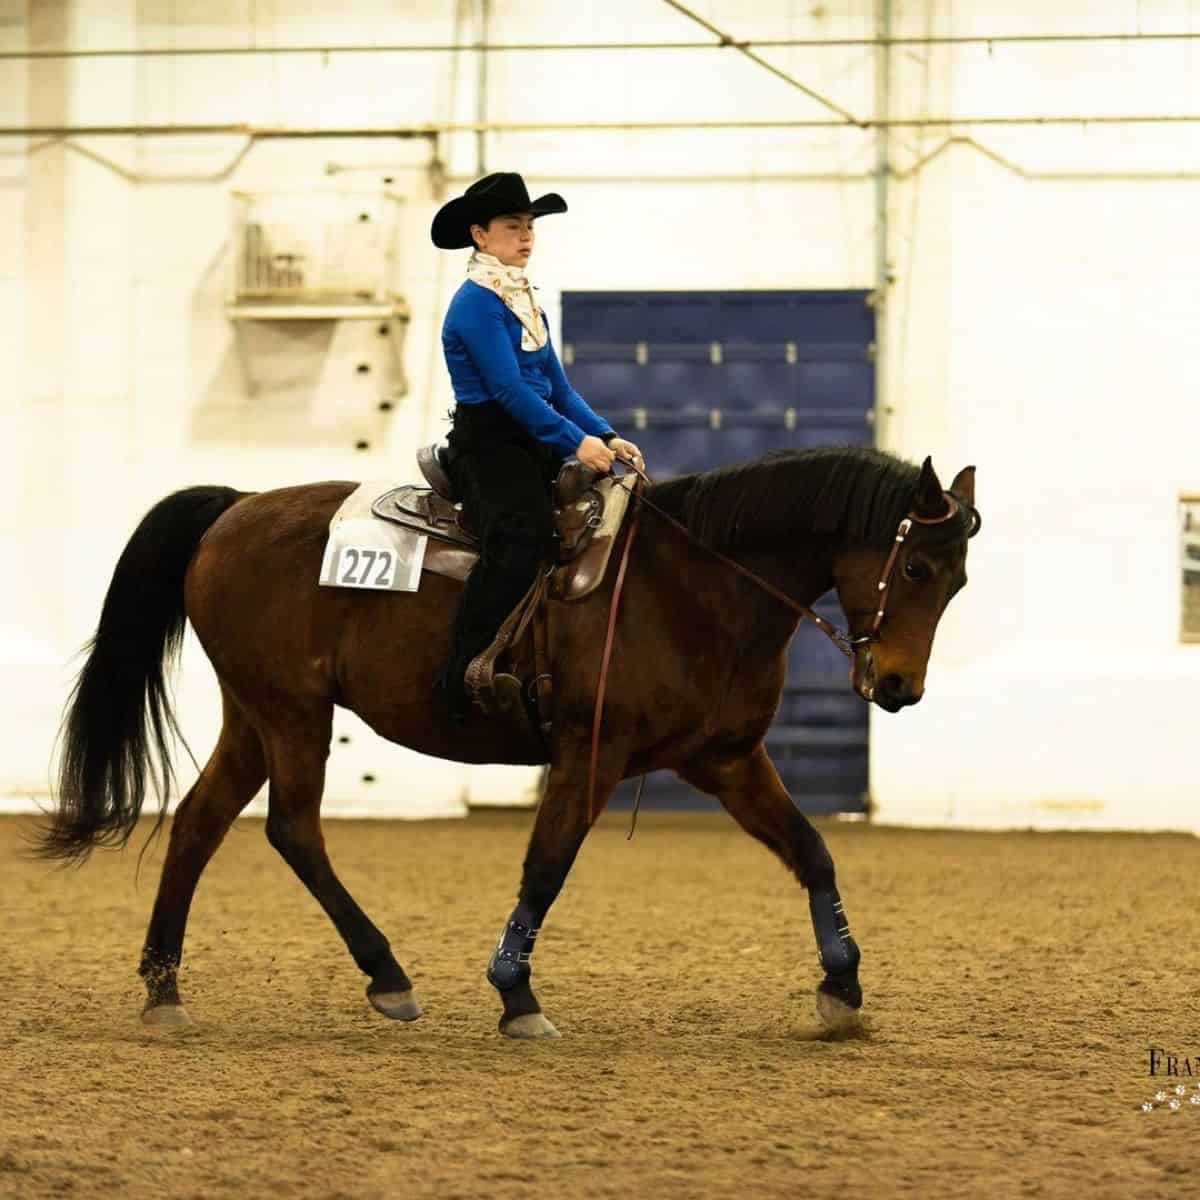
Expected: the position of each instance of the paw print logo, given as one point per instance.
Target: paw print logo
(1173, 1100)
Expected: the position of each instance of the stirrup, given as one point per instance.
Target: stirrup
(509, 700)
(499, 696)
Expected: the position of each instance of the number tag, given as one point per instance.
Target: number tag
(364, 552)
(360, 566)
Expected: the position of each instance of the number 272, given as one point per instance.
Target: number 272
(357, 566)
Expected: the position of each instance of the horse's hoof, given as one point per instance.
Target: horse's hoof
(400, 1006)
(166, 1017)
(836, 1014)
(529, 1026)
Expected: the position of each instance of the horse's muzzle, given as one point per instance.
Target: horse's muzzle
(892, 693)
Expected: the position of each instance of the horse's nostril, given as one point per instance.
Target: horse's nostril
(895, 691)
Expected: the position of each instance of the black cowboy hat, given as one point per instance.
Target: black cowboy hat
(492, 196)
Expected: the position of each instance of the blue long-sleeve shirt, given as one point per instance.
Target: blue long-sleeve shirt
(481, 340)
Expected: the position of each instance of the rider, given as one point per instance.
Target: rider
(516, 418)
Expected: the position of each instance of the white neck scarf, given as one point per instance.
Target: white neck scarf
(512, 285)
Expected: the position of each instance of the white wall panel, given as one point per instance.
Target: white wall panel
(1041, 323)
(1058, 695)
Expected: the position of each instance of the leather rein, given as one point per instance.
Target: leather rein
(847, 642)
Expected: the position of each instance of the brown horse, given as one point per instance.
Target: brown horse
(698, 667)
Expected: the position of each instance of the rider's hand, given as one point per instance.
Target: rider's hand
(627, 450)
(592, 452)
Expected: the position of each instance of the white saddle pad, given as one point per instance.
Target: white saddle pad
(365, 552)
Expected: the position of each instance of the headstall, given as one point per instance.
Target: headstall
(846, 642)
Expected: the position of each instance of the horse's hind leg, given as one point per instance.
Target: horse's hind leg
(232, 775)
(297, 766)
(750, 788)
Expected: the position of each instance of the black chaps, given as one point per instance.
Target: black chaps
(504, 477)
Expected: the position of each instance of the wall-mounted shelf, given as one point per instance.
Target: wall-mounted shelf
(394, 314)
(317, 256)
(260, 310)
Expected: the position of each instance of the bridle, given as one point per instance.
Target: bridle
(844, 640)
(848, 643)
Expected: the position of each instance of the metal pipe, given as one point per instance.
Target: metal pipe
(894, 173)
(481, 95)
(432, 130)
(753, 177)
(1034, 175)
(550, 47)
(883, 271)
(791, 80)
(217, 176)
(248, 131)
(556, 178)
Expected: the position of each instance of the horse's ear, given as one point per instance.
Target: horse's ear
(929, 501)
(964, 485)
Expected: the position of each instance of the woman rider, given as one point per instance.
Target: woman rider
(516, 418)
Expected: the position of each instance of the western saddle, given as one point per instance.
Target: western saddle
(588, 510)
(578, 504)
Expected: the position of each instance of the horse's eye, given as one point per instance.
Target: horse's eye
(917, 571)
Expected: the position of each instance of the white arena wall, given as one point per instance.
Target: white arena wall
(1040, 323)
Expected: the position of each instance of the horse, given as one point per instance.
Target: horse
(698, 652)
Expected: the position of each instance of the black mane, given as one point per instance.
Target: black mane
(849, 492)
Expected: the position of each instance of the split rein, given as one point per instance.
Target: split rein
(848, 643)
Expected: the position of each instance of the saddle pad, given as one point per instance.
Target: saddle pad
(362, 552)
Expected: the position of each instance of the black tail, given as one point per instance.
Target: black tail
(119, 711)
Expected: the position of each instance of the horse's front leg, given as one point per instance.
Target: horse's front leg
(750, 788)
(561, 824)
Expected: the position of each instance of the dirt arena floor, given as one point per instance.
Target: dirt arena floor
(1014, 985)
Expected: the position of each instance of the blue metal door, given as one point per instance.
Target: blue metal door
(703, 379)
